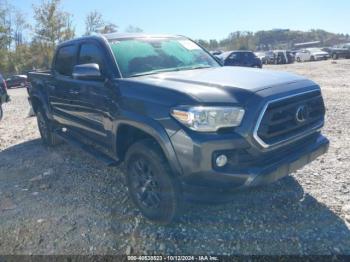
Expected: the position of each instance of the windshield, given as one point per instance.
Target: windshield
(142, 56)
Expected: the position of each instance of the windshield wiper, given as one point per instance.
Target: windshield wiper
(169, 70)
(155, 72)
(198, 67)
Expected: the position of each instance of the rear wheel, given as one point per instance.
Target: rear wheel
(312, 58)
(152, 187)
(45, 128)
(298, 59)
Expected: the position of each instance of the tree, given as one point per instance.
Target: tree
(213, 44)
(109, 28)
(93, 22)
(52, 24)
(69, 31)
(133, 29)
(20, 26)
(5, 26)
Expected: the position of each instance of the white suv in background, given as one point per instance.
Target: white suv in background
(311, 54)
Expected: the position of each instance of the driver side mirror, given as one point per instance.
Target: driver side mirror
(87, 72)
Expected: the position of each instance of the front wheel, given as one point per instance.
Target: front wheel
(151, 184)
(45, 128)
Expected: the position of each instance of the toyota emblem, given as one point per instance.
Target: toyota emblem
(301, 114)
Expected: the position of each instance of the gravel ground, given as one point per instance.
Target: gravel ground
(62, 201)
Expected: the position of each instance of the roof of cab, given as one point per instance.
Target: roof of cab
(115, 36)
(137, 35)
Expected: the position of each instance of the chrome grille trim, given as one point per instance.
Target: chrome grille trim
(310, 131)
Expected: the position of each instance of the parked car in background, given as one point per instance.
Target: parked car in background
(3, 94)
(216, 52)
(266, 57)
(341, 51)
(283, 57)
(240, 58)
(311, 54)
(17, 81)
(184, 125)
(262, 56)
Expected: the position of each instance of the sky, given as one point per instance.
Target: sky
(208, 19)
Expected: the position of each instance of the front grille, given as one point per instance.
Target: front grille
(291, 117)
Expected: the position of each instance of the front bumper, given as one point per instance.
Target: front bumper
(266, 169)
(322, 57)
(289, 164)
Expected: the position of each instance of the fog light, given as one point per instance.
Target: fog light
(221, 160)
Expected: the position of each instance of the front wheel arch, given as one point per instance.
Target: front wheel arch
(146, 129)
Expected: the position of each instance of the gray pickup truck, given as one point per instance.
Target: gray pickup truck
(185, 126)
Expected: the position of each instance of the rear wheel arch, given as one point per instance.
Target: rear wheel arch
(36, 104)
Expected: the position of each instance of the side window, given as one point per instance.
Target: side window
(65, 60)
(249, 56)
(91, 53)
(234, 57)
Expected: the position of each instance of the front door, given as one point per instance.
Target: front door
(93, 100)
(60, 85)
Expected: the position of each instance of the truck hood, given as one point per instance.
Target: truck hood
(219, 84)
(236, 77)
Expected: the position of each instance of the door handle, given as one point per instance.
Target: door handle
(74, 92)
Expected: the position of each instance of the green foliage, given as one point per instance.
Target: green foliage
(52, 24)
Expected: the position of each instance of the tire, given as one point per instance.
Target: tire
(151, 184)
(334, 56)
(298, 59)
(1, 113)
(45, 128)
(312, 58)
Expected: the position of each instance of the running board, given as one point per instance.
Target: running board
(88, 149)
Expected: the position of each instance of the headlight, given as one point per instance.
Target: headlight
(208, 119)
